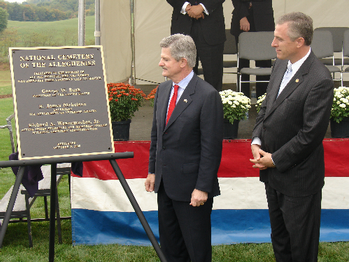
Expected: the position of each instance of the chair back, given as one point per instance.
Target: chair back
(337, 36)
(322, 44)
(256, 45)
(346, 43)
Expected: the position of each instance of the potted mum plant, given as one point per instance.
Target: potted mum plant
(151, 96)
(259, 102)
(124, 101)
(235, 108)
(340, 113)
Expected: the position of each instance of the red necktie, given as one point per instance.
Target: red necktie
(172, 102)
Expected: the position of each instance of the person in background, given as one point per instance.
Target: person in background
(252, 16)
(185, 153)
(287, 140)
(204, 22)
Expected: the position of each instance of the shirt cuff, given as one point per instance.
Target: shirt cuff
(256, 141)
(183, 12)
(205, 10)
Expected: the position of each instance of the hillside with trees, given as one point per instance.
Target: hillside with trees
(45, 10)
(3, 19)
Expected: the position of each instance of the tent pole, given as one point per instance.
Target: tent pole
(133, 67)
(97, 33)
(81, 23)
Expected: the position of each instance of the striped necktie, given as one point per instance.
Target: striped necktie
(286, 78)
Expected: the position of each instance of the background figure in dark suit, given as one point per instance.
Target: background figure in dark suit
(204, 22)
(252, 16)
(185, 154)
(290, 128)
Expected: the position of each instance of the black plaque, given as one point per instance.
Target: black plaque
(60, 102)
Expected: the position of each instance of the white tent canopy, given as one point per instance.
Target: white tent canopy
(152, 23)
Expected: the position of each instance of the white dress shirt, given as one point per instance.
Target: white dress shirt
(182, 86)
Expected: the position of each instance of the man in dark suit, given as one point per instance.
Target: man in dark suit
(185, 153)
(204, 22)
(287, 140)
(252, 16)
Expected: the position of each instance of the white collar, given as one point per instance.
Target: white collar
(299, 63)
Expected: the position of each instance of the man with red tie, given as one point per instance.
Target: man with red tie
(185, 153)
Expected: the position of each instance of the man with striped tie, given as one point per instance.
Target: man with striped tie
(287, 140)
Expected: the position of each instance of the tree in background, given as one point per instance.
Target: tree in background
(3, 19)
(46, 10)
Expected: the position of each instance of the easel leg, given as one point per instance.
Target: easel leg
(11, 203)
(52, 212)
(137, 210)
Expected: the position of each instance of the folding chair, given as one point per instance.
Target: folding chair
(345, 53)
(322, 46)
(337, 37)
(23, 201)
(9, 127)
(255, 46)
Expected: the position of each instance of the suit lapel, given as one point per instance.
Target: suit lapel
(277, 82)
(292, 85)
(184, 101)
(163, 103)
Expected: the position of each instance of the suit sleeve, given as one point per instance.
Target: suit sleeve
(211, 129)
(257, 130)
(316, 114)
(153, 139)
(212, 5)
(176, 4)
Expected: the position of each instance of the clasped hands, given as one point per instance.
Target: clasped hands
(195, 11)
(261, 159)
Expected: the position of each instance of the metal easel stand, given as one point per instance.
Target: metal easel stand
(53, 162)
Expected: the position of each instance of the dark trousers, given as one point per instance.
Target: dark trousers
(211, 57)
(295, 226)
(185, 231)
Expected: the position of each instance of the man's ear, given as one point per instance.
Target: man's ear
(184, 62)
(300, 42)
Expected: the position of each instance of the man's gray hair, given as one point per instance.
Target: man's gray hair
(299, 25)
(181, 46)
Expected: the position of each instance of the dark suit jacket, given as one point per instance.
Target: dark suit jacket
(263, 15)
(292, 127)
(213, 24)
(186, 153)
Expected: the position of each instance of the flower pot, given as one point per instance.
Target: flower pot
(121, 130)
(340, 130)
(230, 131)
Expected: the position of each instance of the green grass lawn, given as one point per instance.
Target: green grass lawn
(5, 82)
(64, 32)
